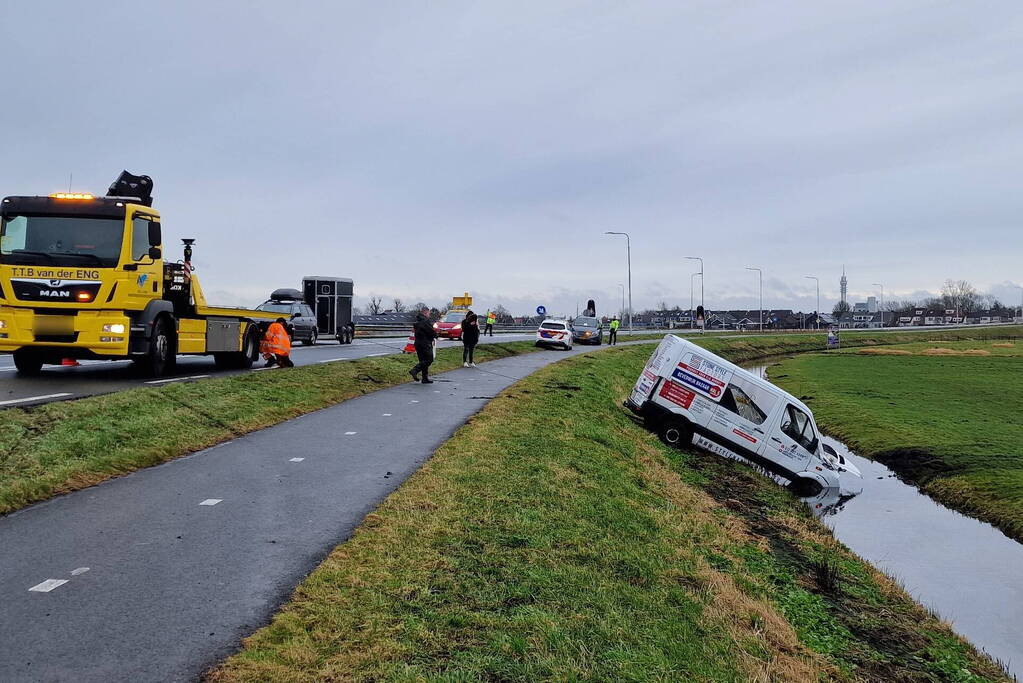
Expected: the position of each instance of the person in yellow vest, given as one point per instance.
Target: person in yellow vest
(491, 319)
(276, 345)
(612, 337)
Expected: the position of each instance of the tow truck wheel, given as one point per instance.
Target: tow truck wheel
(805, 487)
(27, 362)
(675, 434)
(160, 358)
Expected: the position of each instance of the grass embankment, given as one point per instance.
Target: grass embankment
(944, 416)
(553, 538)
(61, 447)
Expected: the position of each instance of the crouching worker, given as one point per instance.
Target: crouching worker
(276, 345)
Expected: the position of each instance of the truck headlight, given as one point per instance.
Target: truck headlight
(116, 328)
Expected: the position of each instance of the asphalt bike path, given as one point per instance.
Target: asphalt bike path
(158, 575)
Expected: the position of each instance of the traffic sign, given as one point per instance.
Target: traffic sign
(541, 310)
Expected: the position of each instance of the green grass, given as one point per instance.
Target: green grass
(950, 423)
(61, 447)
(553, 538)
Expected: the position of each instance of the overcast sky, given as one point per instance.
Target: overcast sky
(426, 149)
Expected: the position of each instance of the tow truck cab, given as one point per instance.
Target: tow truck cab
(85, 277)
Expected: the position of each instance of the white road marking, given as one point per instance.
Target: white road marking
(350, 433)
(80, 570)
(175, 379)
(296, 460)
(413, 401)
(211, 501)
(386, 415)
(374, 355)
(332, 360)
(436, 391)
(47, 585)
(14, 401)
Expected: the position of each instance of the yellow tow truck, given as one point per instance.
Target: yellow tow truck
(83, 276)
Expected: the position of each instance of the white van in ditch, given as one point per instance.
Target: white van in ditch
(688, 395)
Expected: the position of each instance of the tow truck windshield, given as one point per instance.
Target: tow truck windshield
(61, 240)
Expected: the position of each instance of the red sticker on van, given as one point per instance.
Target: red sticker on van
(751, 439)
(677, 394)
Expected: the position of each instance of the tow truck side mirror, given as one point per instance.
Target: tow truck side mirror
(154, 237)
(154, 253)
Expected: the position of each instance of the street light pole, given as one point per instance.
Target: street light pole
(628, 257)
(760, 273)
(621, 311)
(811, 277)
(702, 304)
(882, 302)
(692, 320)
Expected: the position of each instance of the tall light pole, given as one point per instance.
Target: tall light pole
(760, 274)
(628, 258)
(811, 277)
(702, 304)
(621, 311)
(876, 284)
(692, 320)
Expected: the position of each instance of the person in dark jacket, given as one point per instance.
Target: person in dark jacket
(424, 338)
(470, 338)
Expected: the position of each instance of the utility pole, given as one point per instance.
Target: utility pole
(811, 277)
(760, 273)
(882, 302)
(702, 303)
(628, 257)
(621, 313)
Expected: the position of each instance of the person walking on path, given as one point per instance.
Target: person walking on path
(612, 337)
(424, 337)
(491, 319)
(470, 338)
(276, 345)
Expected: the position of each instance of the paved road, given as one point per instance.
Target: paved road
(102, 377)
(156, 576)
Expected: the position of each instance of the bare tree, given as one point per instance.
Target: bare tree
(959, 295)
(375, 305)
(841, 307)
(420, 306)
(503, 316)
(398, 306)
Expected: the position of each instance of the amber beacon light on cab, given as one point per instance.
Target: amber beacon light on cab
(83, 276)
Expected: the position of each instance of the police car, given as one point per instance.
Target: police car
(553, 333)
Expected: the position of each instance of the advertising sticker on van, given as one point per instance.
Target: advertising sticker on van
(704, 376)
(677, 394)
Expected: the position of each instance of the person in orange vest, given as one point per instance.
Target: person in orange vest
(276, 345)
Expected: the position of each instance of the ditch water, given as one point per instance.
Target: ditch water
(967, 571)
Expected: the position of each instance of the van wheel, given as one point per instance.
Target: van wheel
(312, 339)
(805, 487)
(28, 363)
(675, 434)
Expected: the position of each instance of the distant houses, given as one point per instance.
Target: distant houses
(933, 316)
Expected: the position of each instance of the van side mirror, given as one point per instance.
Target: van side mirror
(155, 239)
(154, 253)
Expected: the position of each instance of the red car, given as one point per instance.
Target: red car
(450, 326)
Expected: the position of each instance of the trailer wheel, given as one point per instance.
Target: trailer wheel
(805, 487)
(675, 433)
(28, 363)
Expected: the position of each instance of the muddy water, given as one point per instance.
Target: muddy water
(967, 571)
